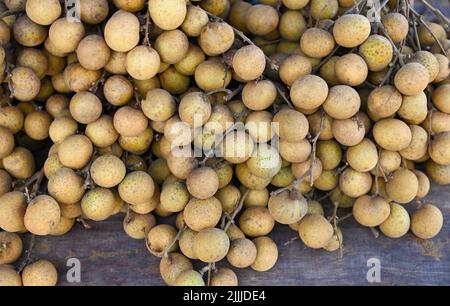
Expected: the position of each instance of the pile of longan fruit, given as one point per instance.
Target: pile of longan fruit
(305, 100)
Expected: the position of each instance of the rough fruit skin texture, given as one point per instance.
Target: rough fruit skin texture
(10, 247)
(317, 43)
(261, 19)
(398, 222)
(202, 214)
(242, 253)
(351, 30)
(256, 221)
(75, 151)
(189, 278)
(377, 52)
(287, 209)
(167, 14)
(427, 221)
(66, 186)
(9, 276)
(309, 92)
(403, 187)
(412, 79)
(42, 215)
(315, 231)
(137, 188)
(342, 102)
(266, 254)
(40, 273)
(224, 277)
(216, 38)
(211, 245)
(370, 211)
(249, 63)
(392, 134)
(108, 171)
(202, 183)
(172, 266)
(396, 26)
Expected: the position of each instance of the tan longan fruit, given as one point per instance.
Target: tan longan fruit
(20, 163)
(426, 222)
(287, 208)
(328, 71)
(195, 20)
(12, 210)
(174, 197)
(295, 152)
(216, 38)
(224, 276)
(7, 142)
(388, 162)
(25, 84)
(65, 34)
(261, 19)
(237, 15)
(324, 9)
(342, 102)
(259, 126)
(398, 222)
(216, 7)
(130, 122)
(34, 59)
(5, 34)
(42, 215)
(304, 172)
(189, 278)
(160, 237)
(186, 242)
(178, 132)
(122, 31)
(237, 147)
(118, 90)
(9, 276)
(351, 69)
(351, 30)
(440, 174)
(71, 211)
(172, 266)
(348, 132)
(211, 245)
(137, 188)
(259, 95)
(229, 196)
(296, 67)
(256, 198)
(137, 226)
(426, 38)
(85, 107)
(93, 11)
(181, 166)
(225, 174)
(414, 109)
(315, 231)
(10, 248)
(437, 122)
(167, 14)
(249, 63)
(412, 79)
(66, 186)
(28, 33)
(424, 184)
(37, 125)
(93, 53)
(343, 200)
(200, 214)
(130, 6)
(40, 273)
(108, 171)
(57, 105)
(396, 26)
(266, 254)
(172, 46)
(377, 52)
(392, 134)
(75, 151)
(242, 253)
(116, 63)
(158, 170)
(418, 146)
(441, 99)
(5, 182)
(190, 61)
(295, 4)
(440, 148)
(64, 226)
(142, 63)
(292, 25)
(146, 207)
(429, 61)
(309, 92)
(202, 183)
(384, 102)
(444, 71)
(79, 79)
(102, 132)
(292, 125)
(335, 242)
(11, 118)
(354, 183)
(256, 221)
(317, 43)
(212, 74)
(194, 109)
(371, 212)
(403, 186)
(363, 157)
(61, 128)
(114, 149)
(43, 12)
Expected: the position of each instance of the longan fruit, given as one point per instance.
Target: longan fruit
(174, 197)
(9, 276)
(309, 92)
(261, 19)
(351, 30)
(371, 212)
(93, 11)
(424, 184)
(57, 105)
(28, 33)
(116, 63)
(304, 172)
(37, 125)
(292, 25)
(130, 6)
(137, 188)
(211, 245)
(201, 214)
(237, 147)
(384, 102)
(324, 9)
(256, 221)
(7, 142)
(137, 226)
(33, 59)
(250, 180)
(396, 26)
(351, 69)
(335, 242)
(172, 46)
(296, 67)
(78, 79)
(70, 211)
(12, 211)
(101, 132)
(249, 63)
(65, 34)
(142, 63)
(342, 102)
(412, 79)
(315, 231)
(130, 122)
(202, 183)
(160, 237)
(20, 163)
(295, 152)
(10, 248)
(363, 157)
(426, 38)
(229, 197)
(444, 72)
(66, 186)
(266, 254)
(93, 53)
(167, 14)
(224, 276)
(25, 83)
(108, 171)
(216, 7)
(216, 38)
(429, 61)
(11, 118)
(237, 15)
(295, 4)
(144, 208)
(441, 99)
(343, 200)
(398, 222)
(328, 71)
(172, 266)
(256, 198)
(40, 273)
(196, 19)
(242, 253)
(437, 122)
(186, 242)
(403, 186)
(43, 12)
(426, 222)
(85, 107)
(61, 128)
(265, 162)
(414, 109)
(194, 109)
(259, 95)
(42, 215)
(5, 34)
(5, 182)
(190, 61)
(181, 166)
(419, 144)
(118, 90)
(286, 208)
(189, 278)
(292, 125)
(75, 151)
(348, 132)
(354, 183)
(212, 75)
(259, 126)
(377, 52)
(440, 174)
(392, 134)
(317, 43)
(122, 31)
(440, 148)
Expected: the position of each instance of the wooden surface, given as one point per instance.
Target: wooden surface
(109, 257)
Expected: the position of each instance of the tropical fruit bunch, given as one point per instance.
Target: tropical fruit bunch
(206, 123)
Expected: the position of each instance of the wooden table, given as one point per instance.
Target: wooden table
(109, 257)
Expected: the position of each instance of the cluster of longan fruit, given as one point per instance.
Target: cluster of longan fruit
(286, 100)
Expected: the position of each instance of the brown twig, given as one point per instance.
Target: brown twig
(283, 95)
(438, 13)
(236, 211)
(325, 60)
(27, 257)
(314, 145)
(427, 27)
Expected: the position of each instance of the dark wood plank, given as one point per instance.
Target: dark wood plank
(109, 257)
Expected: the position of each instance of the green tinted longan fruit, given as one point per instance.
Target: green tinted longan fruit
(216, 38)
(42, 215)
(37, 125)
(212, 75)
(61, 128)
(20, 163)
(158, 170)
(354, 183)
(189, 278)
(229, 197)
(283, 178)
(286, 208)
(371, 212)
(398, 222)
(414, 109)
(260, 95)
(12, 211)
(351, 69)
(256, 221)
(93, 53)
(315, 231)
(426, 222)
(236, 17)
(363, 157)
(25, 84)
(324, 9)
(137, 226)
(43, 12)
(195, 20)
(396, 26)
(261, 19)
(295, 4)
(10, 248)
(412, 79)
(28, 33)
(224, 277)
(108, 171)
(40, 273)
(317, 43)
(377, 52)
(102, 132)
(419, 144)
(292, 25)
(309, 92)
(211, 245)
(7, 142)
(167, 14)
(426, 38)
(348, 132)
(191, 60)
(392, 134)
(429, 61)
(342, 102)
(351, 30)
(174, 197)
(160, 237)
(93, 11)
(75, 151)
(403, 187)
(172, 266)
(85, 107)
(200, 214)
(249, 63)
(122, 31)
(66, 186)
(242, 253)
(137, 188)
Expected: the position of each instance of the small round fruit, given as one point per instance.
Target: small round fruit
(315, 231)
(93, 53)
(12, 210)
(130, 122)
(172, 266)
(262, 19)
(440, 149)
(348, 132)
(259, 95)
(137, 188)
(377, 52)
(242, 253)
(398, 222)
(108, 171)
(351, 30)
(426, 222)
(25, 84)
(202, 183)
(351, 69)
(249, 63)
(137, 226)
(403, 187)
(392, 134)
(342, 102)
(20, 163)
(40, 273)
(10, 247)
(9, 276)
(189, 278)
(354, 183)
(224, 277)
(201, 214)
(266, 254)
(256, 221)
(292, 125)
(211, 245)
(167, 14)
(122, 31)
(317, 43)
(308, 92)
(412, 79)
(216, 38)
(85, 107)
(287, 208)
(396, 26)
(42, 215)
(371, 212)
(75, 151)
(7, 142)
(66, 186)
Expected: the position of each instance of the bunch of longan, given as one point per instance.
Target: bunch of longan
(228, 115)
